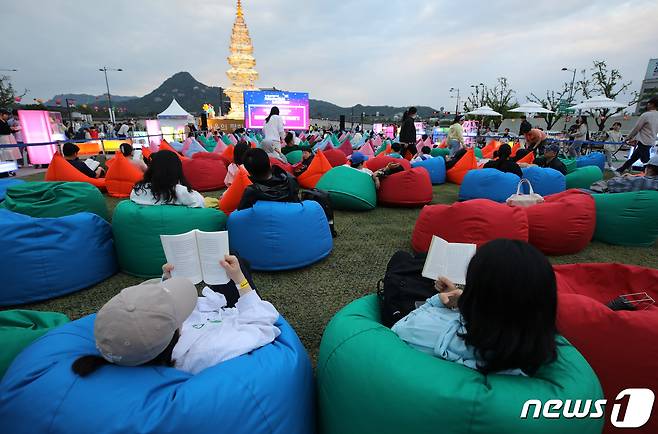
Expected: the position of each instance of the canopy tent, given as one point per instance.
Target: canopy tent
(598, 103)
(530, 108)
(173, 120)
(485, 110)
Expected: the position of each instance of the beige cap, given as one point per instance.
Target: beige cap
(137, 324)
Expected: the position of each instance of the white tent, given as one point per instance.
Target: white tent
(530, 108)
(485, 110)
(598, 103)
(175, 111)
(173, 121)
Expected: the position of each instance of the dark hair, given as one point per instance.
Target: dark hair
(509, 307)
(273, 111)
(503, 152)
(426, 150)
(290, 138)
(86, 365)
(257, 163)
(162, 176)
(3, 112)
(583, 120)
(412, 111)
(14, 112)
(457, 119)
(396, 147)
(653, 101)
(69, 149)
(239, 151)
(126, 149)
(525, 128)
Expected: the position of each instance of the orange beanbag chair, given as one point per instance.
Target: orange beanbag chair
(476, 221)
(228, 153)
(231, 197)
(490, 148)
(121, 176)
(164, 146)
(146, 152)
(444, 143)
(61, 170)
(318, 167)
(285, 166)
(205, 174)
(458, 171)
(528, 159)
(515, 148)
(410, 188)
(381, 161)
(335, 157)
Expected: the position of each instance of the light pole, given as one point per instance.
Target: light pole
(109, 97)
(573, 80)
(8, 70)
(477, 93)
(452, 89)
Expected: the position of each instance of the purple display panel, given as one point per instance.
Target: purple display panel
(293, 108)
(36, 128)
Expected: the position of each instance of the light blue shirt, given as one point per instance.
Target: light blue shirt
(395, 155)
(434, 329)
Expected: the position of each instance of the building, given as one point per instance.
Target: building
(649, 86)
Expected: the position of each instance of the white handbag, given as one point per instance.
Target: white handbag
(524, 200)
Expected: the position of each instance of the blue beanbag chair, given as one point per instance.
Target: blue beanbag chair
(44, 258)
(178, 146)
(436, 168)
(194, 148)
(5, 184)
(545, 181)
(592, 159)
(279, 235)
(488, 184)
(269, 390)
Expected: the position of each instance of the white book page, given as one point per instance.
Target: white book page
(436, 258)
(456, 262)
(92, 164)
(181, 251)
(213, 246)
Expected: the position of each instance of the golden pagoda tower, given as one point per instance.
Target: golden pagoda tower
(242, 73)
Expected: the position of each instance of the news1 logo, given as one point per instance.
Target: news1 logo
(631, 409)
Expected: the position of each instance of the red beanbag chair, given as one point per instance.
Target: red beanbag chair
(476, 221)
(228, 153)
(211, 156)
(619, 345)
(318, 167)
(410, 188)
(458, 171)
(205, 174)
(335, 157)
(346, 149)
(61, 170)
(121, 176)
(232, 197)
(381, 161)
(285, 166)
(563, 224)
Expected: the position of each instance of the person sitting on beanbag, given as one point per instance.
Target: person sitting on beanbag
(503, 161)
(550, 159)
(396, 148)
(452, 161)
(424, 154)
(127, 151)
(357, 160)
(307, 159)
(233, 168)
(503, 321)
(163, 322)
(270, 183)
(70, 151)
(165, 184)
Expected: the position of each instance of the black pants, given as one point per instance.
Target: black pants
(230, 290)
(641, 153)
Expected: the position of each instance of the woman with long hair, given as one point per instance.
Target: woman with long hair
(165, 184)
(274, 133)
(408, 132)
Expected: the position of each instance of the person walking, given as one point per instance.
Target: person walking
(456, 135)
(408, 132)
(579, 137)
(643, 135)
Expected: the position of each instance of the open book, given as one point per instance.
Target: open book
(449, 260)
(92, 164)
(196, 255)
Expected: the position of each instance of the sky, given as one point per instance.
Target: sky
(372, 52)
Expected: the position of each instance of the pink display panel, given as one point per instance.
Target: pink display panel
(36, 128)
(155, 134)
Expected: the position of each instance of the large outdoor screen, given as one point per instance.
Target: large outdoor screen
(293, 108)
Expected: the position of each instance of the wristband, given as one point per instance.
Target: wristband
(244, 283)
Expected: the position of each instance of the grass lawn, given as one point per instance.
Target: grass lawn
(308, 298)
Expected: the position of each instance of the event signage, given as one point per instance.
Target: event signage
(293, 108)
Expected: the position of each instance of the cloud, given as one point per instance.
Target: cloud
(395, 52)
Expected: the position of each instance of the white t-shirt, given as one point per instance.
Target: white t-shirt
(273, 130)
(214, 333)
(191, 199)
(123, 130)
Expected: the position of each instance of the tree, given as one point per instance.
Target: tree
(499, 98)
(552, 103)
(604, 82)
(7, 93)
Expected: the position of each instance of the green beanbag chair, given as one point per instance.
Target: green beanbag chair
(627, 219)
(570, 163)
(478, 153)
(440, 152)
(349, 189)
(584, 177)
(55, 199)
(370, 381)
(294, 157)
(137, 230)
(18, 328)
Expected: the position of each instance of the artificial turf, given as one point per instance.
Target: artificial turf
(309, 297)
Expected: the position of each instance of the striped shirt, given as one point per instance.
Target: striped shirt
(622, 184)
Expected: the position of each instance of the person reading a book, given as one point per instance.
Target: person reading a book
(128, 152)
(269, 183)
(357, 161)
(307, 159)
(233, 168)
(165, 184)
(503, 321)
(70, 152)
(503, 162)
(177, 328)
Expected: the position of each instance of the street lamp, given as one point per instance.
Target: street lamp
(109, 97)
(8, 70)
(477, 88)
(452, 89)
(573, 80)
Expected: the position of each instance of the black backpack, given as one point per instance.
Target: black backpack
(321, 197)
(403, 286)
